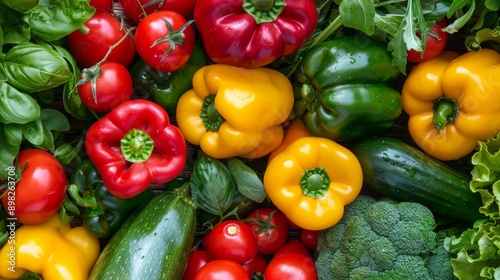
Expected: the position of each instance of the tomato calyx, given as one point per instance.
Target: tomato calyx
(173, 37)
(263, 226)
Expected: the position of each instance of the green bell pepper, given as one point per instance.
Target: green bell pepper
(165, 88)
(102, 212)
(343, 89)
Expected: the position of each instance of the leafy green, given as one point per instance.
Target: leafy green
(8, 153)
(17, 107)
(247, 181)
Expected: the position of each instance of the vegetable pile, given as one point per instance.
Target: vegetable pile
(249, 139)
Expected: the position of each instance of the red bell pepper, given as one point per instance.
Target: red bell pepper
(254, 33)
(134, 146)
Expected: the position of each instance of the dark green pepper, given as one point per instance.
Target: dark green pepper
(102, 212)
(165, 88)
(343, 89)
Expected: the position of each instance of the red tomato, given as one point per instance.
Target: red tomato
(232, 240)
(197, 259)
(256, 266)
(295, 246)
(161, 48)
(270, 228)
(134, 11)
(41, 188)
(290, 223)
(222, 270)
(104, 31)
(291, 266)
(434, 46)
(113, 86)
(309, 238)
(106, 5)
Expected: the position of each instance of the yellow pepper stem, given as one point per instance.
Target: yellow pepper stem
(211, 118)
(445, 112)
(315, 182)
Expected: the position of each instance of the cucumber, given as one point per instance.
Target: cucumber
(397, 170)
(153, 244)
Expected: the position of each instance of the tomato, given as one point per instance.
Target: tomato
(309, 238)
(290, 223)
(291, 266)
(106, 5)
(222, 270)
(104, 30)
(256, 266)
(293, 245)
(435, 44)
(134, 11)
(41, 188)
(163, 47)
(270, 228)
(197, 259)
(232, 240)
(113, 86)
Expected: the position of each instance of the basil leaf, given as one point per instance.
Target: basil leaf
(247, 181)
(33, 132)
(13, 133)
(8, 153)
(47, 140)
(21, 5)
(212, 187)
(493, 5)
(54, 120)
(17, 107)
(358, 14)
(32, 67)
(56, 19)
(13, 29)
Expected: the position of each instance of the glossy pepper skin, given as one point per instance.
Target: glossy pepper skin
(233, 111)
(452, 102)
(102, 212)
(253, 33)
(343, 89)
(134, 146)
(52, 251)
(312, 180)
(165, 88)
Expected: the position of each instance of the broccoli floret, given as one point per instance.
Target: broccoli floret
(382, 239)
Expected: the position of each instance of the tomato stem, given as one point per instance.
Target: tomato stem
(173, 37)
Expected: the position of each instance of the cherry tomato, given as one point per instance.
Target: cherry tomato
(113, 86)
(134, 11)
(291, 266)
(270, 228)
(41, 188)
(106, 5)
(293, 245)
(309, 238)
(290, 223)
(197, 259)
(104, 30)
(232, 240)
(256, 266)
(222, 270)
(434, 46)
(162, 47)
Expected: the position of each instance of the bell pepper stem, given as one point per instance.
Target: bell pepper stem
(264, 10)
(444, 113)
(315, 182)
(211, 118)
(137, 146)
(88, 201)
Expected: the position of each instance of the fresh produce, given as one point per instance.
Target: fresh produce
(436, 41)
(294, 131)
(293, 245)
(270, 229)
(312, 180)
(134, 146)
(309, 238)
(51, 250)
(222, 269)
(232, 111)
(451, 102)
(292, 266)
(102, 212)
(344, 90)
(196, 260)
(253, 34)
(136, 10)
(397, 170)
(383, 239)
(165, 40)
(154, 243)
(256, 267)
(36, 187)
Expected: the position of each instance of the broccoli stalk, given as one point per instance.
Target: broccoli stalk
(383, 239)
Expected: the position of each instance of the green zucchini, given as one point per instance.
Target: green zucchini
(154, 243)
(397, 170)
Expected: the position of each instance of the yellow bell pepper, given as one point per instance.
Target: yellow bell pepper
(52, 252)
(312, 180)
(453, 102)
(294, 131)
(232, 111)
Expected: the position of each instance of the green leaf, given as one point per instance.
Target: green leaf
(358, 14)
(54, 120)
(17, 107)
(48, 140)
(462, 20)
(397, 47)
(21, 5)
(493, 5)
(13, 29)
(388, 23)
(55, 19)
(8, 153)
(247, 181)
(13, 133)
(33, 67)
(33, 132)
